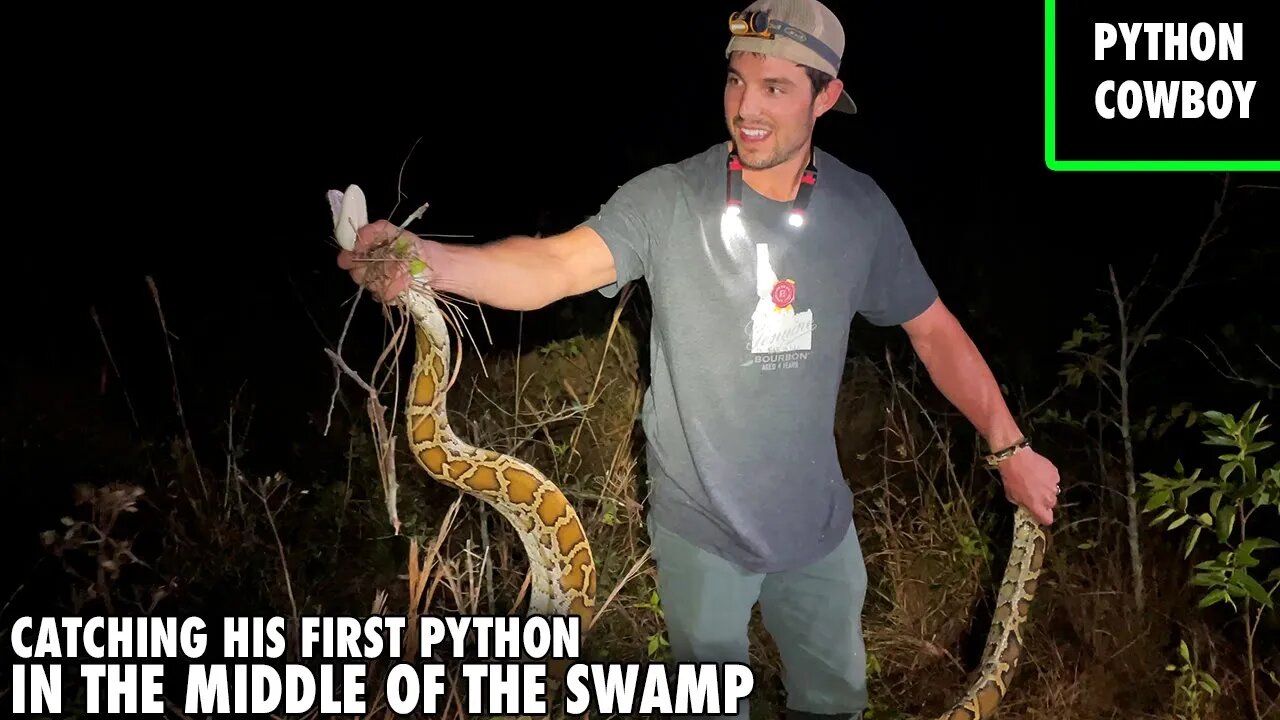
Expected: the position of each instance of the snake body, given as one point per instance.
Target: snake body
(560, 560)
(561, 565)
(1004, 643)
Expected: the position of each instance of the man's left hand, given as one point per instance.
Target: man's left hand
(1031, 481)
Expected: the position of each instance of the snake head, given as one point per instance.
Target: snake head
(350, 213)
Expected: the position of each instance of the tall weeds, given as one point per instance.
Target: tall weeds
(183, 538)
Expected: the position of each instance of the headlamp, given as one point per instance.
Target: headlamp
(758, 24)
(753, 23)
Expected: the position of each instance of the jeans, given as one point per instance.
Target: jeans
(813, 614)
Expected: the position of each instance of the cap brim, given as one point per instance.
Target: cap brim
(845, 103)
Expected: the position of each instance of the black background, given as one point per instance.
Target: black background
(1082, 134)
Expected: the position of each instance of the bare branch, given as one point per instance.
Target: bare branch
(1268, 357)
(350, 373)
(1110, 390)
(177, 396)
(1210, 234)
(1133, 292)
(1228, 374)
(1123, 316)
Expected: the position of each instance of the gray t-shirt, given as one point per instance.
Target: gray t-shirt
(751, 320)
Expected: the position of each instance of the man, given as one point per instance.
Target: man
(750, 333)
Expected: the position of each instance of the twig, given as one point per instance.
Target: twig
(343, 336)
(349, 372)
(604, 355)
(1131, 487)
(400, 178)
(284, 563)
(93, 312)
(1233, 375)
(177, 396)
(124, 389)
(632, 573)
(1273, 363)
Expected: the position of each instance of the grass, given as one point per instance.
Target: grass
(188, 538)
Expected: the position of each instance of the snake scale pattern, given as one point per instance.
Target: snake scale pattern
(560, 559)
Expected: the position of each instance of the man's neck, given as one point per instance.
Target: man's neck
(782, 182)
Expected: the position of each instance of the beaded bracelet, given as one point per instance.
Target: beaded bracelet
(995, 458)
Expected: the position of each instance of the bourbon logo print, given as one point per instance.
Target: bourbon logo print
(775, 325)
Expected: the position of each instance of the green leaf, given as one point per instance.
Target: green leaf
(1161, 517)
(1191, 542)
(1179, 522)
(417, 266)
(1256, 447)
(1248, 547)
(1225, 471)
(1206, 580)
(1183, 652)
(1216, 596)
(1158, 498)
(1226, 522)
(1215, 417)
(1217, 563)
(1248, 414)
(1255, 590)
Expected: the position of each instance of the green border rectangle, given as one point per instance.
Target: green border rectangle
(1050, 130)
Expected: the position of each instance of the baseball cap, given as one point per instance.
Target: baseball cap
(802, 31)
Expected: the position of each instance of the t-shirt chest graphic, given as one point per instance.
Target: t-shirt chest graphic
(766, 291)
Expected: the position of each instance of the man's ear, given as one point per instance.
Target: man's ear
(829, 96)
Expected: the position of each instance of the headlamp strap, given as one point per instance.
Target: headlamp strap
(733, 184)
(807, 181)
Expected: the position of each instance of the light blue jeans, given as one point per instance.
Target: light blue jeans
(813, 614)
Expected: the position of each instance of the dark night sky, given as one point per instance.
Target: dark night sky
(144, 148)
(203, 163)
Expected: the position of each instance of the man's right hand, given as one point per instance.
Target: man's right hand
(381, 259)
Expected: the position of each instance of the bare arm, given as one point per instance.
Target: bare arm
(960, 373)
(521, 273)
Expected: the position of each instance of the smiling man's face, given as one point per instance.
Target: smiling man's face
(770, 108)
